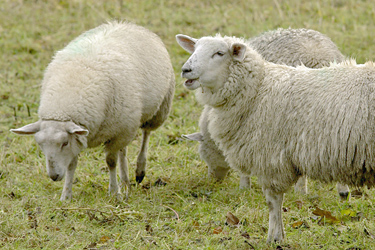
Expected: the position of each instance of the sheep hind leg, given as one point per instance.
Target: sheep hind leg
(343, 190)
(274, 202)
(140, 172)
(124, 172)
(245, 182)
(301, 185)
(111, 159)
(67, 190)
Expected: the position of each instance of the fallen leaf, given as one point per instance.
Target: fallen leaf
(232, 219)
(348, 212)
(196, 224)
(5, 97)
(104, 239)
(297, 224)
(326, 216)
(218, 230)
(299, 204)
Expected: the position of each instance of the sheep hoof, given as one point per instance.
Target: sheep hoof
(120, 197)
(65, 198)
(344, 195)
(139, 179)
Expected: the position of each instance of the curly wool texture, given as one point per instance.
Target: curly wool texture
(292, 47)
(282, 122)
(111, 80)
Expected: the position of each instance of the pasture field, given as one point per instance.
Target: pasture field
(177, 206)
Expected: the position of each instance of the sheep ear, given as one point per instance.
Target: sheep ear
(238, 51)
(193, 137)
(29, 129)
(186, 42)
(73, 128)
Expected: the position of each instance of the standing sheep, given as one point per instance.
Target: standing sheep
(279, 122)
(101, 88)
(292, 47)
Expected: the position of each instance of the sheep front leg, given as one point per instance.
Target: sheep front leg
(124, 172)
(140, 172)
(274, 202)
(111, 159)
(68, 185)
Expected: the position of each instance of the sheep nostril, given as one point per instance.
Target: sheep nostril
(186, 70)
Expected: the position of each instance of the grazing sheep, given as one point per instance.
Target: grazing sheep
(101, 88)
(292, 47)
(278, 122)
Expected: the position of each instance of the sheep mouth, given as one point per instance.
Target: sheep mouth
(192, 84)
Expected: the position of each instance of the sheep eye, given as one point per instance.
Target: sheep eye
(64, 144)
(219, 53)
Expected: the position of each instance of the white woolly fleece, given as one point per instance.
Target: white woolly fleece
(111, 80)
(278, 122)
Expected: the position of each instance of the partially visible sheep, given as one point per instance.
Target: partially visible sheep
(278, 122)
(101, 88)
(292, 47)
(295, 47)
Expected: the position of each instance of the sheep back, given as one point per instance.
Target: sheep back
(295, 47)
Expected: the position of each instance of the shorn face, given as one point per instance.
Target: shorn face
(61, 142)
(208, 66)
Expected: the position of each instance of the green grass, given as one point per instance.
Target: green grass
(184, 213)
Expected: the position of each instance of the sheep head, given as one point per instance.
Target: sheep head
(60, 142)
(208, 66)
